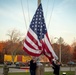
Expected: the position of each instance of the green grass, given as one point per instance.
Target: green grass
(1, 66)
(46, 73)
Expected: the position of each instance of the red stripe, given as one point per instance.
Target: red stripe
(49, 43)
(46, 47)
(29, 44)
(50, 58)
(47, 50)
(33, 39)
(31, 53)
(48, 38)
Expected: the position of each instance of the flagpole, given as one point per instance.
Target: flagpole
(39, 1)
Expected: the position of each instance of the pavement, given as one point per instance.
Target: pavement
(47, 69)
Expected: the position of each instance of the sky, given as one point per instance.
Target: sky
(60, 17)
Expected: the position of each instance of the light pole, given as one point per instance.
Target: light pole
(60, 42)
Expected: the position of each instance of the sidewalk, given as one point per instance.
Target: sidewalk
(1, 73)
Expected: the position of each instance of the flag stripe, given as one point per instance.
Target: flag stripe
(33, 37)
(50, 58)
(30, 43)
(32, 50)
(50, 49)
(31, 53)
(47, 49)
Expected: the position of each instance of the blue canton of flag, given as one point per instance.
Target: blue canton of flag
(38, 23)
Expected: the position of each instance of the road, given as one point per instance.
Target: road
(48, 69)
(62, 69)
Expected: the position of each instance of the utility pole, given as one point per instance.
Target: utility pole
(60, 42)
(39, 1)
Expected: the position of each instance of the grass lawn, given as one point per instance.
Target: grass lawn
(1, 66)
(46, 73)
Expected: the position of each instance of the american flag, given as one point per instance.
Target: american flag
(37, 40)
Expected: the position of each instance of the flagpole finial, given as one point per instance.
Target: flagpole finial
(39, 1)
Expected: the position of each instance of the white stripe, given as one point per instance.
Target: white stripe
(33, 33)
(35, 36)
(32, 50)
(50, 47)
(47, 54)
(31, 42)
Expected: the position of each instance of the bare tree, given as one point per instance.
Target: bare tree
(15, 38)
